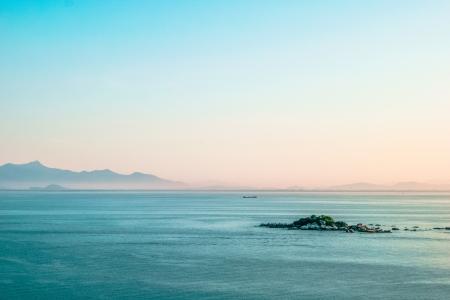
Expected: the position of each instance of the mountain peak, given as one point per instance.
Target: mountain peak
(34, 163)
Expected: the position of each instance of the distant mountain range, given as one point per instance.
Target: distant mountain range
(35, 174)
(400, 186)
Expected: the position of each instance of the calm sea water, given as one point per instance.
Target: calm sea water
(202, 245)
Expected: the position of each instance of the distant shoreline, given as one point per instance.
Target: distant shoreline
(227, 190)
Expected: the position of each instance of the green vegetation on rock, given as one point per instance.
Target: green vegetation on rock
(324, 222)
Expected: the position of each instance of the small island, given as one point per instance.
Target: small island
(50, 187)
(326, 223)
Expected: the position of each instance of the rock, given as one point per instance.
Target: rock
(314, 227)
(276, 225)
(340, 224)
(325, 223)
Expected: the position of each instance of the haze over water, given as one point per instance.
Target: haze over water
(204, 245)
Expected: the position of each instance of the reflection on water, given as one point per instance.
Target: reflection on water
(202, 245)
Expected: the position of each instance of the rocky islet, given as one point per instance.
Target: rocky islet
(327, 223)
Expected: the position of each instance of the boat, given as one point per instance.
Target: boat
(249, 196)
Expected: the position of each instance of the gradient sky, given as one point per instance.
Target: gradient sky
(261, 93)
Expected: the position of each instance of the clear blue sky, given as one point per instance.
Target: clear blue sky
(266, 93)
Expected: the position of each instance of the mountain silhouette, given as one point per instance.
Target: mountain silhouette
(400, 186)
(36, 174)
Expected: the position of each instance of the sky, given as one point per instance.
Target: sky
(242, 93)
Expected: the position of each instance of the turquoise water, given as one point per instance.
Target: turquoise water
(202, 245)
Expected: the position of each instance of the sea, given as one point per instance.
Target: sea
(207, 245)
